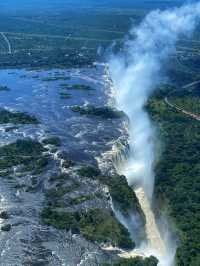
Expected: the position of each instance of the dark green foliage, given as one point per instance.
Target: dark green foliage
(4, 215)
(59, 192)
(178, 176)
(4, 88)
(55, 78)
(138, 261)
(122, 194)
(103, 112)
(45, 58)
(101, 225)
(25, 147)
(95, 225)
(5, 173)
(36, 166)
(60, 177)
(6, 227)
(187, 99)
(81, 199)
(63, 220)
(25, 151)
(88, 171)
(55, 197)
(16, 118)
(76, 87)
(68, 163)
(52, 141)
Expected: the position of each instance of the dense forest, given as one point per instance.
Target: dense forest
(178, 174)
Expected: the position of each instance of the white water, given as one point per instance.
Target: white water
(135, 73)
(153, 235)
(155, 244)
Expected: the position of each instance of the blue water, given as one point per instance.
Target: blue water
(83, 138)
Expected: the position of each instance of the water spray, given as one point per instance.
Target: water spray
(135, 72)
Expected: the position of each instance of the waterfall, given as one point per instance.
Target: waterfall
(135, 72)
(155, 241)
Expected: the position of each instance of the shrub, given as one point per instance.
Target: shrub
(122, 194)
(60, 177)
(4, 215)
(76, 87)
(88, 171)
(4, 88)
(81, 199)
(101, 226)
(6, 227)
(16, 118)
(52, 141)
(59, 192)
(21, 152)
(138, 261)
(103, 112)
(96, 225)
(63, 220)
(68, 163)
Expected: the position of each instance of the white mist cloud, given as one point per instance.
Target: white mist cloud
(135, 73)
